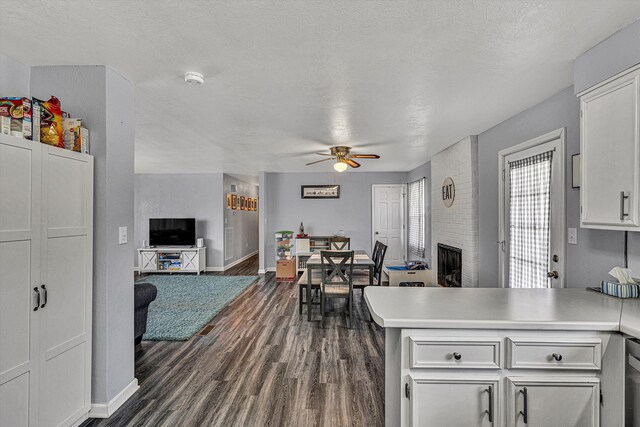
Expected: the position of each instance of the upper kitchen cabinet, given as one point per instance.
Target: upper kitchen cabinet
(610, 147)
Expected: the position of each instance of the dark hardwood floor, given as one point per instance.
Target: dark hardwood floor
(262, 364)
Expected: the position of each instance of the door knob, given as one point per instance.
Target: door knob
(553, 274)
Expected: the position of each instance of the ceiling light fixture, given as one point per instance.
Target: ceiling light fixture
(193, 78)
(340, 166)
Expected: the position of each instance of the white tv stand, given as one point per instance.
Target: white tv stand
(172, 259)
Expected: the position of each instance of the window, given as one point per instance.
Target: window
(415, 203)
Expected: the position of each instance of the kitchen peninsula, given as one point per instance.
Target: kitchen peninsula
(479, 357)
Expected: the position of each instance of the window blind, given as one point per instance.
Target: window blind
(529, 221)
(415, 206)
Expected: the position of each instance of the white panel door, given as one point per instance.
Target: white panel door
(610, 147)
(454, 402)
(553, 401)
(388, 220)
(67, 182)
(19, 275)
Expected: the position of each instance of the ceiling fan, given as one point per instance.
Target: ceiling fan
(342, 155)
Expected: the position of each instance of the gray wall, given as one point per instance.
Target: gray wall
(424, 170)
(182, 196)
(606, 59)
(105, 102)
(597, 251)
(351, 212)
(240, 227)
(14, 77)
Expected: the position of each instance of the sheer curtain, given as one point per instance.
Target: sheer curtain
(415, 203)
(529, 221)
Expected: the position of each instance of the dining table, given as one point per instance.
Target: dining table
(361, 261)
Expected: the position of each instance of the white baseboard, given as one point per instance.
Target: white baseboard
(238, 261)
(271, 269)
(261, 271)
(105, 410)
(214, 269)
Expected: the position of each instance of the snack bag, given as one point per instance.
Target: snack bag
(51, 122)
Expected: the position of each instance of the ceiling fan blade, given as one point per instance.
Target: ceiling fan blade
(318, 161)
(352, 163)
(365, 156)
(324, 154)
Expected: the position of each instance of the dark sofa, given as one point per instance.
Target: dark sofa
(144, 294)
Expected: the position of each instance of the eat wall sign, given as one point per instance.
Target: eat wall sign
(448, 192)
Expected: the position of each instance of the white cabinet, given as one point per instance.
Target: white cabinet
(453, 377)
(46, 247)
(470, 401)
(553, 401)
(610, 148)
(172, 260)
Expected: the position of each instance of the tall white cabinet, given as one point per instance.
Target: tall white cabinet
(610, 148)
(46, 253)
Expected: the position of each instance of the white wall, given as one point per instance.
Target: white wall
(240, 227)
(457, 225)
(182, 196)
(285, 209)
(105, 101)
(14, 77)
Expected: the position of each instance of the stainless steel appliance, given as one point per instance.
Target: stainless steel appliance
(632, 382)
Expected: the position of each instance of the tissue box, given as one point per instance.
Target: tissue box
(621, 291)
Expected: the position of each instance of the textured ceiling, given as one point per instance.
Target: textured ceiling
(403, 79)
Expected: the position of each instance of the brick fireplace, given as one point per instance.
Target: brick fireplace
(454, 211)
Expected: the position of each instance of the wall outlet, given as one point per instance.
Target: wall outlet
(122, 235)
(572, 236)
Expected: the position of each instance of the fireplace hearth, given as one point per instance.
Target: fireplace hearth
(449, 266)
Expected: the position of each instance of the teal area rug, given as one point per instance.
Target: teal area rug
(186, 303)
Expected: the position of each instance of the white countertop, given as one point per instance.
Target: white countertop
(630, 319)
(495, 308)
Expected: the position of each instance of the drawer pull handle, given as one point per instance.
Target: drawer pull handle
(557, 357)
(524, 412)
(37, 291)
(490, 410)
(457, 355)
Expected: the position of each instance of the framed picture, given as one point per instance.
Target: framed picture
(243, 203)
(228, 200)
(234, 202)
(576, 170)
(320, 191)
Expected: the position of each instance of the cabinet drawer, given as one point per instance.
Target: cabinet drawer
(456, 353)
(532, 353)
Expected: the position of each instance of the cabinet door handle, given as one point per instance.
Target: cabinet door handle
(524, 412)
(457, 355)
(557, 357)
(44, 293)
(490, 410)
(623, 197)
(37, 291)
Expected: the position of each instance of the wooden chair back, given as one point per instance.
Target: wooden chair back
(337, 268)
(378, 261)
(338, 243)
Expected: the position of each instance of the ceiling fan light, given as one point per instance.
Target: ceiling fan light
(340, 166)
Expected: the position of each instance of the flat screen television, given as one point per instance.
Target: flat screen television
(172, 231)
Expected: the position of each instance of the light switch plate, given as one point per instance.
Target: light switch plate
(572, 236)
(122, 236)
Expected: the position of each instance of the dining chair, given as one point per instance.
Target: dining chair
(361, 277)
(339, 243)
(336, 280)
